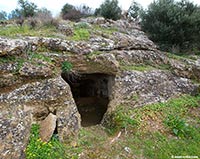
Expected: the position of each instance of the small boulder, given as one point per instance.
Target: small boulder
(47, 127)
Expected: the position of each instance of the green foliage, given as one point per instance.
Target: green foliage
(69, 12)
(109, 9)
(67, 8)
(160, 146)
(179, 127)
(85, 10)
(176, 116)
(13, 30)
(28, 9)
(81, 34)
(176, 107)
(108, 31)
(36, 56)
(66, 67)
(175, 26)
(94, 53)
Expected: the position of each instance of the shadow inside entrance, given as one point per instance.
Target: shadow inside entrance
(91, 93)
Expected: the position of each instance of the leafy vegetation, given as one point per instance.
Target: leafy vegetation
(156, 123)
(27, 9)
(173, 25)
(179, 127)
(35, 55)
(109, 9)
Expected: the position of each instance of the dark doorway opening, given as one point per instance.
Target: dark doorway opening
(92, 93)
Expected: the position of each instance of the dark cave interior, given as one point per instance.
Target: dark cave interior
(92, 93)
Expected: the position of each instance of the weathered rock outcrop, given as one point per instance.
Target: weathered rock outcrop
(140, 88)
(31, 102)
(15, 124)
(31, 86)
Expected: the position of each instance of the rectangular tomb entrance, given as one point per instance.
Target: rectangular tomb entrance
(92, 93)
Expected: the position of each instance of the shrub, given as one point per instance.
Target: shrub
(109, 9)
(28, 9)
(73, 15)
(173, 25)
(44, 16)
(70, 12)
(33, 22)
(19, 21)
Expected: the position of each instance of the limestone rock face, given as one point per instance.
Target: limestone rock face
(146, 57)
(15, 124)
(141, 88)
(34, 71)
(12, 47)
(31, 101)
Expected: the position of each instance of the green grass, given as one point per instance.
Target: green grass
(160, 146)
(180, 133)
(138, 67)
(181, 57)
(108, 31)
(80, 34)
(25, 30)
